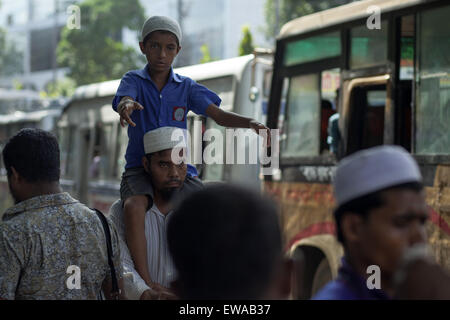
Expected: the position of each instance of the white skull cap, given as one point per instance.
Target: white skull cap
(161, 23)
(164, 138)
(372, 170)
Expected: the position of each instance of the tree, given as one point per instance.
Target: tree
(206, 54)
(246, 46)
(95, 52)
(63, 87)
(291, 9)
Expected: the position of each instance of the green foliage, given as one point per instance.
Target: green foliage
(246, 46)
(64, 87)
(93, 53)
(291, 9)
(206, 54)
(17, 85)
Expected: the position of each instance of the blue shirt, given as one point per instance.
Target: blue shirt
(349, 285)
(161, 109)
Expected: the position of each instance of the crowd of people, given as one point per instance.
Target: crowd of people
(171, 237)
(215, 242)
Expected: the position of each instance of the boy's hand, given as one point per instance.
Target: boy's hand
(125, 109)
(255, 125)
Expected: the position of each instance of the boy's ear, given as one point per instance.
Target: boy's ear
(141, 45)
(178, 50)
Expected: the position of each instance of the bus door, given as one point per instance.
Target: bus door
(366, 113)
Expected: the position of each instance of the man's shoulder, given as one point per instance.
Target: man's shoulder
(335, 290)
(38, 218)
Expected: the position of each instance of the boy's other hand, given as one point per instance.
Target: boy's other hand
(125, 109)
(257, 126)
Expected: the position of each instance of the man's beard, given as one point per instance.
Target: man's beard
(168, 193)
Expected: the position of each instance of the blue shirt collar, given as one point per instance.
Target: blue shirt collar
(143, 73)
(348, 275)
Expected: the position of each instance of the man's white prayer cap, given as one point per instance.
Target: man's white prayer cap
(164, 138)
(372, 170)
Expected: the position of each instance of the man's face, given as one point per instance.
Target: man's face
(392, 228)
(161, 48)
(167, 177)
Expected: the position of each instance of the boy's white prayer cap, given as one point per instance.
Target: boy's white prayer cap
(372, 170)
(161, 23)
(164, 138)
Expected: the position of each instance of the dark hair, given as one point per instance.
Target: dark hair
(34, 154)
(363, 205)
(225, 241)
(162, 31)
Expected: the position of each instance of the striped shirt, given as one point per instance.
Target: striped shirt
(160, 264)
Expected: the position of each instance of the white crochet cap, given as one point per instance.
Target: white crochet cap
(161, 23)
(372, 170)
(164, 138)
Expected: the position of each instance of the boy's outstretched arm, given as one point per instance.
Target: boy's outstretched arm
(233, 120)
(125, 109)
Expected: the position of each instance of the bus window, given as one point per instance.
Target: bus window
(223, 86)
(407, 48)
(367, 105)
(100, 164)
(368, 47)
(302, 123)
(433, 83)
(404, 86)
(214, 171)
(330, 82)
(314, 48)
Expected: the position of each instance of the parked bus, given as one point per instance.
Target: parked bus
(10, 124)
(93, 143)
(394, 88)
(12, 100)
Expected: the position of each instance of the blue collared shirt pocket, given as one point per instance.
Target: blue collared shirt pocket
(177, 113)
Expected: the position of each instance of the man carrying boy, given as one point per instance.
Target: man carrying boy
(167, 179)
(161, 98)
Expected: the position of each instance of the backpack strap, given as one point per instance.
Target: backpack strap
(115, 292)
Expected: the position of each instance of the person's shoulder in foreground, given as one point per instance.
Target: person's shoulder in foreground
(225, 242)
(349, 285)
(47, 236)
